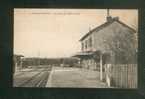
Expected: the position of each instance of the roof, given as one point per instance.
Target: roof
(81, 54)
(105, 25)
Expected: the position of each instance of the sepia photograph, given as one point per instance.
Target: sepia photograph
(75, 48)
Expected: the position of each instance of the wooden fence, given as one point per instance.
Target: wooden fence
(121, 75)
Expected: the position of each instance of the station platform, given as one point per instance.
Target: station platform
(74, 78)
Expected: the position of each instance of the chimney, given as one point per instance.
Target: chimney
(116, 18)
(109, 18)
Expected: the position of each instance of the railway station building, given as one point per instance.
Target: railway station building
(113, 42)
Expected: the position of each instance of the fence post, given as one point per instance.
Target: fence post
(108, 75)
(101, 68)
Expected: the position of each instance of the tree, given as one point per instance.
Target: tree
(122, 45)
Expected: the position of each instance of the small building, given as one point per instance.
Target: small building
(113, 42)
(17, 62)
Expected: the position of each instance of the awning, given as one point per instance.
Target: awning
(83, 54)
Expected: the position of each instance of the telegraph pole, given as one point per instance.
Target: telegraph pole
(38, 58)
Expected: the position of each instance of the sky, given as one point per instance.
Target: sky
(55, 33)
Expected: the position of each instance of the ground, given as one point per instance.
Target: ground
(74, 77)
(58, 77)
(31, 77)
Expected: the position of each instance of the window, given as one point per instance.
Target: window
(90, 42)
(86, 44)
(82, 46)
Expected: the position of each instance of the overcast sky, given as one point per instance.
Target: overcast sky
(56, 32)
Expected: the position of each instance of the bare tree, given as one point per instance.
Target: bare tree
(123, 46)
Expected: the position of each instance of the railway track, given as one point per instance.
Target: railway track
(23, 72)
(37, 80)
